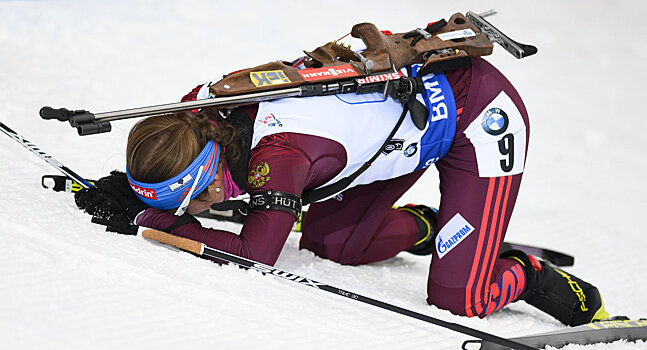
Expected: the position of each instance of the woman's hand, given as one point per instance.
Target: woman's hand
(111, 202)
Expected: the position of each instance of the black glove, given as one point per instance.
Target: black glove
(112, 203)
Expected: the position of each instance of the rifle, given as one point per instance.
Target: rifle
(335, 69)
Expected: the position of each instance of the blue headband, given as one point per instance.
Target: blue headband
(169, 194)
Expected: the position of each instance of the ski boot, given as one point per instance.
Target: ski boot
(426, 218)
(569, 299)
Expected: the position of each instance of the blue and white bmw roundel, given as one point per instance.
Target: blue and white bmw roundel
(495, 121)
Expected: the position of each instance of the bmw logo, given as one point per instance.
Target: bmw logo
(495, 121)
(411, 150)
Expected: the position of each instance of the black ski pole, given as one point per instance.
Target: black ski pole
(46, 157)
(201, 249)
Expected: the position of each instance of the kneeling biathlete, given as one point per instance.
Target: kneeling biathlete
(476, 135)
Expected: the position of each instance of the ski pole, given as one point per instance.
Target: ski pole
(46, 157)
(203, 250)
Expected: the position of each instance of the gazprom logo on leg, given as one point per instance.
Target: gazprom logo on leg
(452, 234)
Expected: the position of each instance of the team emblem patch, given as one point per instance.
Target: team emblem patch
(495, 121)
(270, 120)
(259, 174)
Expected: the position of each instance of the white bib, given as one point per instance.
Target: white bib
(361, 124)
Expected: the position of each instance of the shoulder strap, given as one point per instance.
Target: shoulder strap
(313, 195)
(419, 114)
(245, 127)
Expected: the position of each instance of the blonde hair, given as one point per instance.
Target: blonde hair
(161, 147)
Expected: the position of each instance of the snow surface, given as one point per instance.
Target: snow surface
(67, 284)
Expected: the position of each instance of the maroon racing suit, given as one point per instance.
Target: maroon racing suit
(360, 226)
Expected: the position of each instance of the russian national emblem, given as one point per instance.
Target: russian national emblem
(258, 175)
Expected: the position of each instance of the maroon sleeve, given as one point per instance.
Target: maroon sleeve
(459, 80)
(289, 163)
(282, 162)
(256, 241)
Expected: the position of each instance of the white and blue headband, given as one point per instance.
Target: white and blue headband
(179, 190)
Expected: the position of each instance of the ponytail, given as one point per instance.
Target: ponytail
(161, 147)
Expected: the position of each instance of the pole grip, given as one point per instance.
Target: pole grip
(180, 242)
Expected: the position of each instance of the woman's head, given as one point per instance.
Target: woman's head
(163, 147)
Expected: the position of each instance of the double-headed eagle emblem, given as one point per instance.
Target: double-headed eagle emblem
(258, 175)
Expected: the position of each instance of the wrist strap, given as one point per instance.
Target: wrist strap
(265, 200)
(276, 200)
(182, 220)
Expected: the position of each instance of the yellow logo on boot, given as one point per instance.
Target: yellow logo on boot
(576, 288)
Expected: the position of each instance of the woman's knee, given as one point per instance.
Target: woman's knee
(458, 300)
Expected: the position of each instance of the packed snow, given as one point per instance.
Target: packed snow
(65, 283)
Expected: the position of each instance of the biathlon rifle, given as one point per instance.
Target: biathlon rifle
(335, 69)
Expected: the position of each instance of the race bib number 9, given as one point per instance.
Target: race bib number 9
(499, 138)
